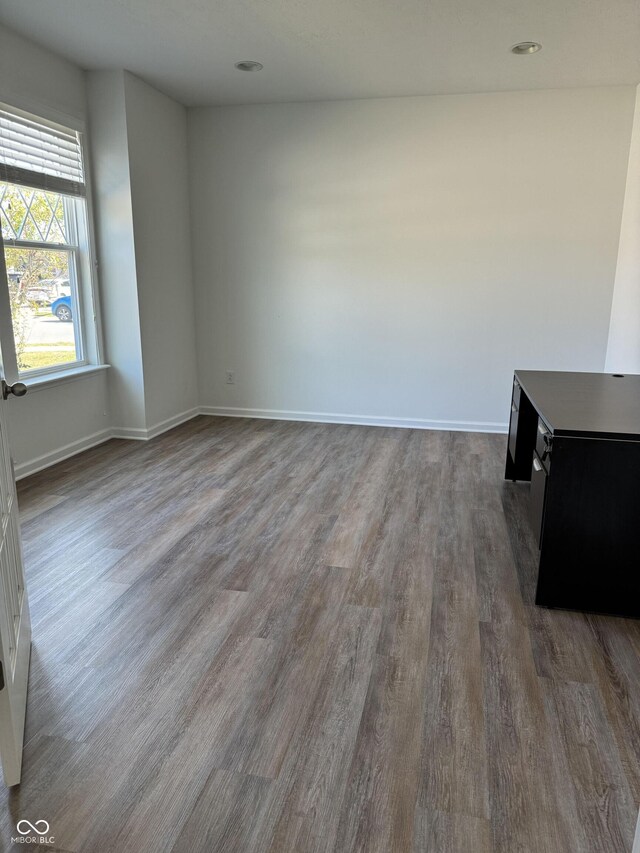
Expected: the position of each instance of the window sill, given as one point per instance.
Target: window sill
(46, 380)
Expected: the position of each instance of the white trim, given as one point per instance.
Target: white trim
(67, 450)
(61, 453)
(636, 840)
(45, 380)
(363, 420)
(90, 258)
(90, 320)
(130, 433)
(142, 434)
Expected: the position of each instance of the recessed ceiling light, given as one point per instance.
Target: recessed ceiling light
(249, 65)
(526, 47)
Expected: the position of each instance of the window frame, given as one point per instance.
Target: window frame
(82, 254)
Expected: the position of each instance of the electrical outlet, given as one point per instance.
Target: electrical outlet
(230, 377)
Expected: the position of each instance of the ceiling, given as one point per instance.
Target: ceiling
(332, 49)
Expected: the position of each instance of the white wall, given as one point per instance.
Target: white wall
(139, 152)
(55, 420)
(398, 258)
(49, 425)
(139, 147)
(39, 79)
(390, 258)
(115, 247)
(623, 352)
(157, 141)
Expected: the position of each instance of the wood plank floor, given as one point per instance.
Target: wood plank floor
(255, 637)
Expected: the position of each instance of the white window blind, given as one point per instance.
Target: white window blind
(38, 155)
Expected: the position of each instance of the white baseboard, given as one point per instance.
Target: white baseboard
(130, 433)
(362, 420)
(68, 450)
(140, 434)
(61, 453)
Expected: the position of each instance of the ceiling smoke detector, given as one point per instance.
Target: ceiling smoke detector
(249, 65)
(525, 47)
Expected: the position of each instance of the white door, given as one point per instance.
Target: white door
(15, 624)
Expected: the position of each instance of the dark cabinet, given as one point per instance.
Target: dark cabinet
(513, 430)
(537, 496)
(576, 438)
(544, 441)
(522, 427)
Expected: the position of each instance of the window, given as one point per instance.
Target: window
(43, 215)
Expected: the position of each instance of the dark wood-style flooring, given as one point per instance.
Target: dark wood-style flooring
(262, 636)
